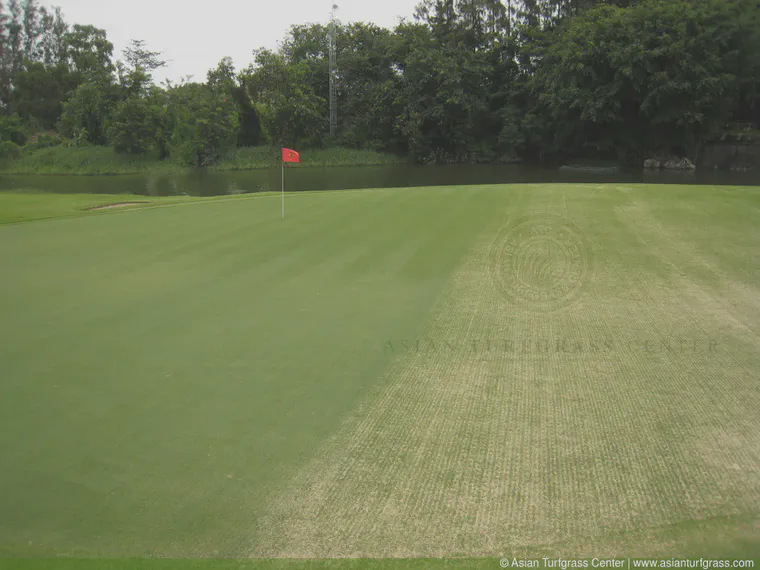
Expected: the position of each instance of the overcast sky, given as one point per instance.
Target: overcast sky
(194, 35)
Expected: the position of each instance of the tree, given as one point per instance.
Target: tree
(34, 18)
(12, 130)
(53, 41)
(39, 92)
(5, 72)
(444, 92)
(205, 124)
(135, 126)
(222, 79)
(13, 56)
(296, 115)
(137, 74)
(658, 75)
(367, 84)
(29, 34)
(89, 53)
(86, 113)
(12, 137)
(468, 80)
(226, 83)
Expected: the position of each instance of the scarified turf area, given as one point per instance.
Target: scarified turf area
(505, 428)
(401, 373)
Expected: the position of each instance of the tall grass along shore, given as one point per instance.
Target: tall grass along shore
(92, 160)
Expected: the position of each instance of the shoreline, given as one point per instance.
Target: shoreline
(104, 161)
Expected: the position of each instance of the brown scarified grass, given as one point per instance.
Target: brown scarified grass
(480, 454)
(726, 297)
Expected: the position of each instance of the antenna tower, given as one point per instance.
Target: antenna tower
(333, 72)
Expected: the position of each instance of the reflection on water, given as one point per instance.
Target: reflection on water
(202, 183)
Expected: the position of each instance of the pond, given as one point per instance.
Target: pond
(202, 183)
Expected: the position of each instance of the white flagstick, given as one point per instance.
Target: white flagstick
(283, 190)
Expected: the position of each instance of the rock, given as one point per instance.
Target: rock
(651, 163)
(679, 164)
(588, 168)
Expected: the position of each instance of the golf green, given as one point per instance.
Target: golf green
(424, 372)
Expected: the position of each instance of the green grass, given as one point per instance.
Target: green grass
(268, 157)
(86, 160)
(232, 564)
(25, 206)
(104, 160)
(208, 380)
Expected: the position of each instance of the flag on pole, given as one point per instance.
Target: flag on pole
(290, 155)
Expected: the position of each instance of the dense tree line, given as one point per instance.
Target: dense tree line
(465, 81)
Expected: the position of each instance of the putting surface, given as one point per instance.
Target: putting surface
(395, 373)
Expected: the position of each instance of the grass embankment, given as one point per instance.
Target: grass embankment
(372, 376)
(104, 160)
(85, 160)
(267, 157)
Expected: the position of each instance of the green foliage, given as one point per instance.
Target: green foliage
(136, 75)
(12, 138)
(224, 82)
(86, 159)
(250, 132)
(88, 110)
(79, 138)
(9, 150)
(135, 126)
(28, 32)
(88, 52)
(662, 73)
(222, 79)
(60, 156)
(367, 86)
(205, 124)
(270, 157)
(40, 90)
(12, 130)
(447, 96)
(296, 114)
(43, 140)
(467, 81)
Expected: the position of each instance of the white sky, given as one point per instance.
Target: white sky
(195, 34)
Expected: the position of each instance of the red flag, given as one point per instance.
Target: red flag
(290, 155)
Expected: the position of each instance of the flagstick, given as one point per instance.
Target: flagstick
(283, 190)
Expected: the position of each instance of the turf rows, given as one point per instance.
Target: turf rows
(479, 452)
